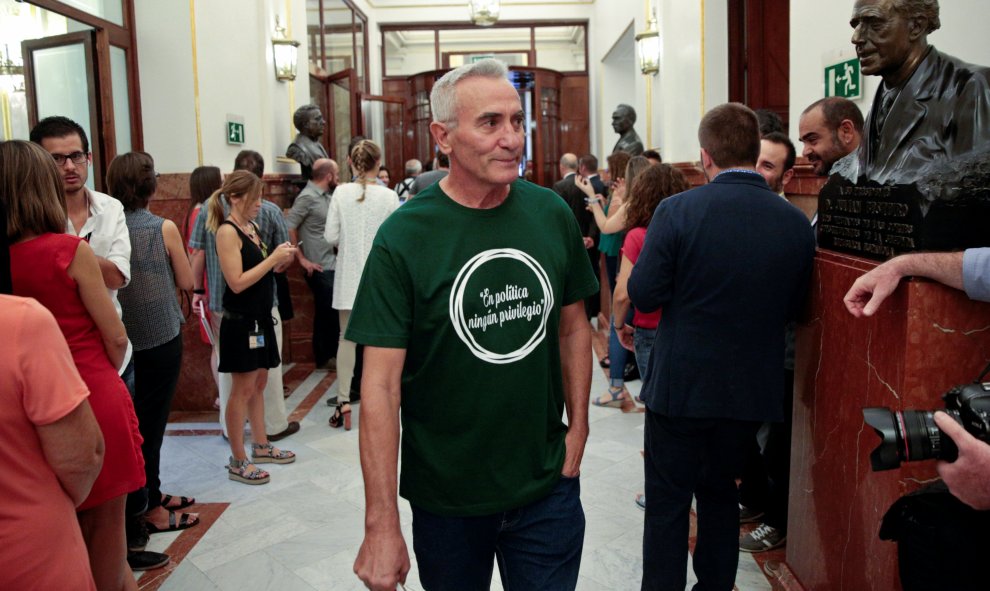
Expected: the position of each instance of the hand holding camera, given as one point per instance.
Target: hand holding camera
(967, 476)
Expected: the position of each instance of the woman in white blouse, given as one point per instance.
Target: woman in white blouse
(357, 209)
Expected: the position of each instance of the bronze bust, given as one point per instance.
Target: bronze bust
(924, 163)
(306, 147)
(930, 106)
(622, 122)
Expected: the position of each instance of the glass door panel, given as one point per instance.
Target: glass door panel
(384, 124)
(61, 80)
(341, 116)
(121, 98)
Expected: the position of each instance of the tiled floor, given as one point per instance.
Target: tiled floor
(302, 530)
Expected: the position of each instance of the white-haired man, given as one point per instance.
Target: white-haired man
(478, 332)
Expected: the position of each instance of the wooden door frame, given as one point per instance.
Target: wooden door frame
(102, 140)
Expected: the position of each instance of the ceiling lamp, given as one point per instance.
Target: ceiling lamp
(484, 13)
(285, 54)
(648, 44)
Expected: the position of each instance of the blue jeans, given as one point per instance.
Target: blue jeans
(643, 339)
(537, 547)
(617, 357)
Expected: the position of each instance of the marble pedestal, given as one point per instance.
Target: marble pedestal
(925, 339)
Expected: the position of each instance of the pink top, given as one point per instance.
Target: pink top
(38, 526)
(631, 248)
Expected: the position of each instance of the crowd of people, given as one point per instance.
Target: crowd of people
(97, 282)
(469, 292)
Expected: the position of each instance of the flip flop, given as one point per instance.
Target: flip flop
(605, 363)
(182, 504)
(185, 521)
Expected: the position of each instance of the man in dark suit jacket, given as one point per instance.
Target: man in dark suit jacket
(729, 263)
(931, 106)
(574, 197)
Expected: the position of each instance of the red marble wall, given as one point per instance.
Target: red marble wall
(924, 340)
(196, 389)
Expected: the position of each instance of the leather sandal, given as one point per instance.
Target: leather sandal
(186, 520)
(182, 504)
(613, 398)
(246, 472)
(341, 417)
(271, 455)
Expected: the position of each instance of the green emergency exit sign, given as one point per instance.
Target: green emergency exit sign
(235, 132)
(844, 79)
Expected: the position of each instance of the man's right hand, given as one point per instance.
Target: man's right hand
(383, 560)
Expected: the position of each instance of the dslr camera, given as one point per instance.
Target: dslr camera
(912, 435)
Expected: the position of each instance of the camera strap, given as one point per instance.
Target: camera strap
(986, 370)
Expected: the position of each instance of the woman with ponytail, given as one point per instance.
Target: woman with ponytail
(247, 333)
(356, 211)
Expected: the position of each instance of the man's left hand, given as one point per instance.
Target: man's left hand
(968, 478)
(588, 242)
(573, 452)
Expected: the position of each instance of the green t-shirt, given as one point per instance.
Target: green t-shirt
(474, 296)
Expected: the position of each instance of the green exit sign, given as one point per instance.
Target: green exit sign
(235, 132)
(844, 79)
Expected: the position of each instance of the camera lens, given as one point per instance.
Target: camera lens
(908, 436)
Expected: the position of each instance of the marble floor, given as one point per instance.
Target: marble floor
(301, 531)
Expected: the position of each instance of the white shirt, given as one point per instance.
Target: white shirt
(106, 232)
(352, 225)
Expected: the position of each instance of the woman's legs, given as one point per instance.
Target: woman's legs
(103, 531)
(256, 408)
(245, 387)
(346, 353)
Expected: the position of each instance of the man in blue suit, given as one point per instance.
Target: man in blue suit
(729, 263)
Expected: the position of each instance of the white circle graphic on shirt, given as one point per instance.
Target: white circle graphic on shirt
(457, 305)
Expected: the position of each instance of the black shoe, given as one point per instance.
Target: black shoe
(146, 560)
(292, 428)
(136, 530)
(355, 395)
(332, 401)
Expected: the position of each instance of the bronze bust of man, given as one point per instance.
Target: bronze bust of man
(306, 148)
(930, 107)
(622, 122)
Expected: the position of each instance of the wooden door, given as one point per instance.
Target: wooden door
(383, 120)
(759, 54)
(62, 76)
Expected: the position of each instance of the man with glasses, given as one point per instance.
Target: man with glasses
(96, 217)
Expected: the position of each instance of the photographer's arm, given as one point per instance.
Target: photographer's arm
(871, 289)
(968, 478)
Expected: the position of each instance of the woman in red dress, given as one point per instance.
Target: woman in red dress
(62, 273)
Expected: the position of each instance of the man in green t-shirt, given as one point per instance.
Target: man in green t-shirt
(471, 311)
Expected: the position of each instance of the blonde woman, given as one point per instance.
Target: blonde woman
(356, 211)
(247, 333)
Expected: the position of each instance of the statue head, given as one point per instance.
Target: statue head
(892, 35)
(309, 121)
(623, 119)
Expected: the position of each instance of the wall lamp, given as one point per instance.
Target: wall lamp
(648, 46)
(285, 53)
